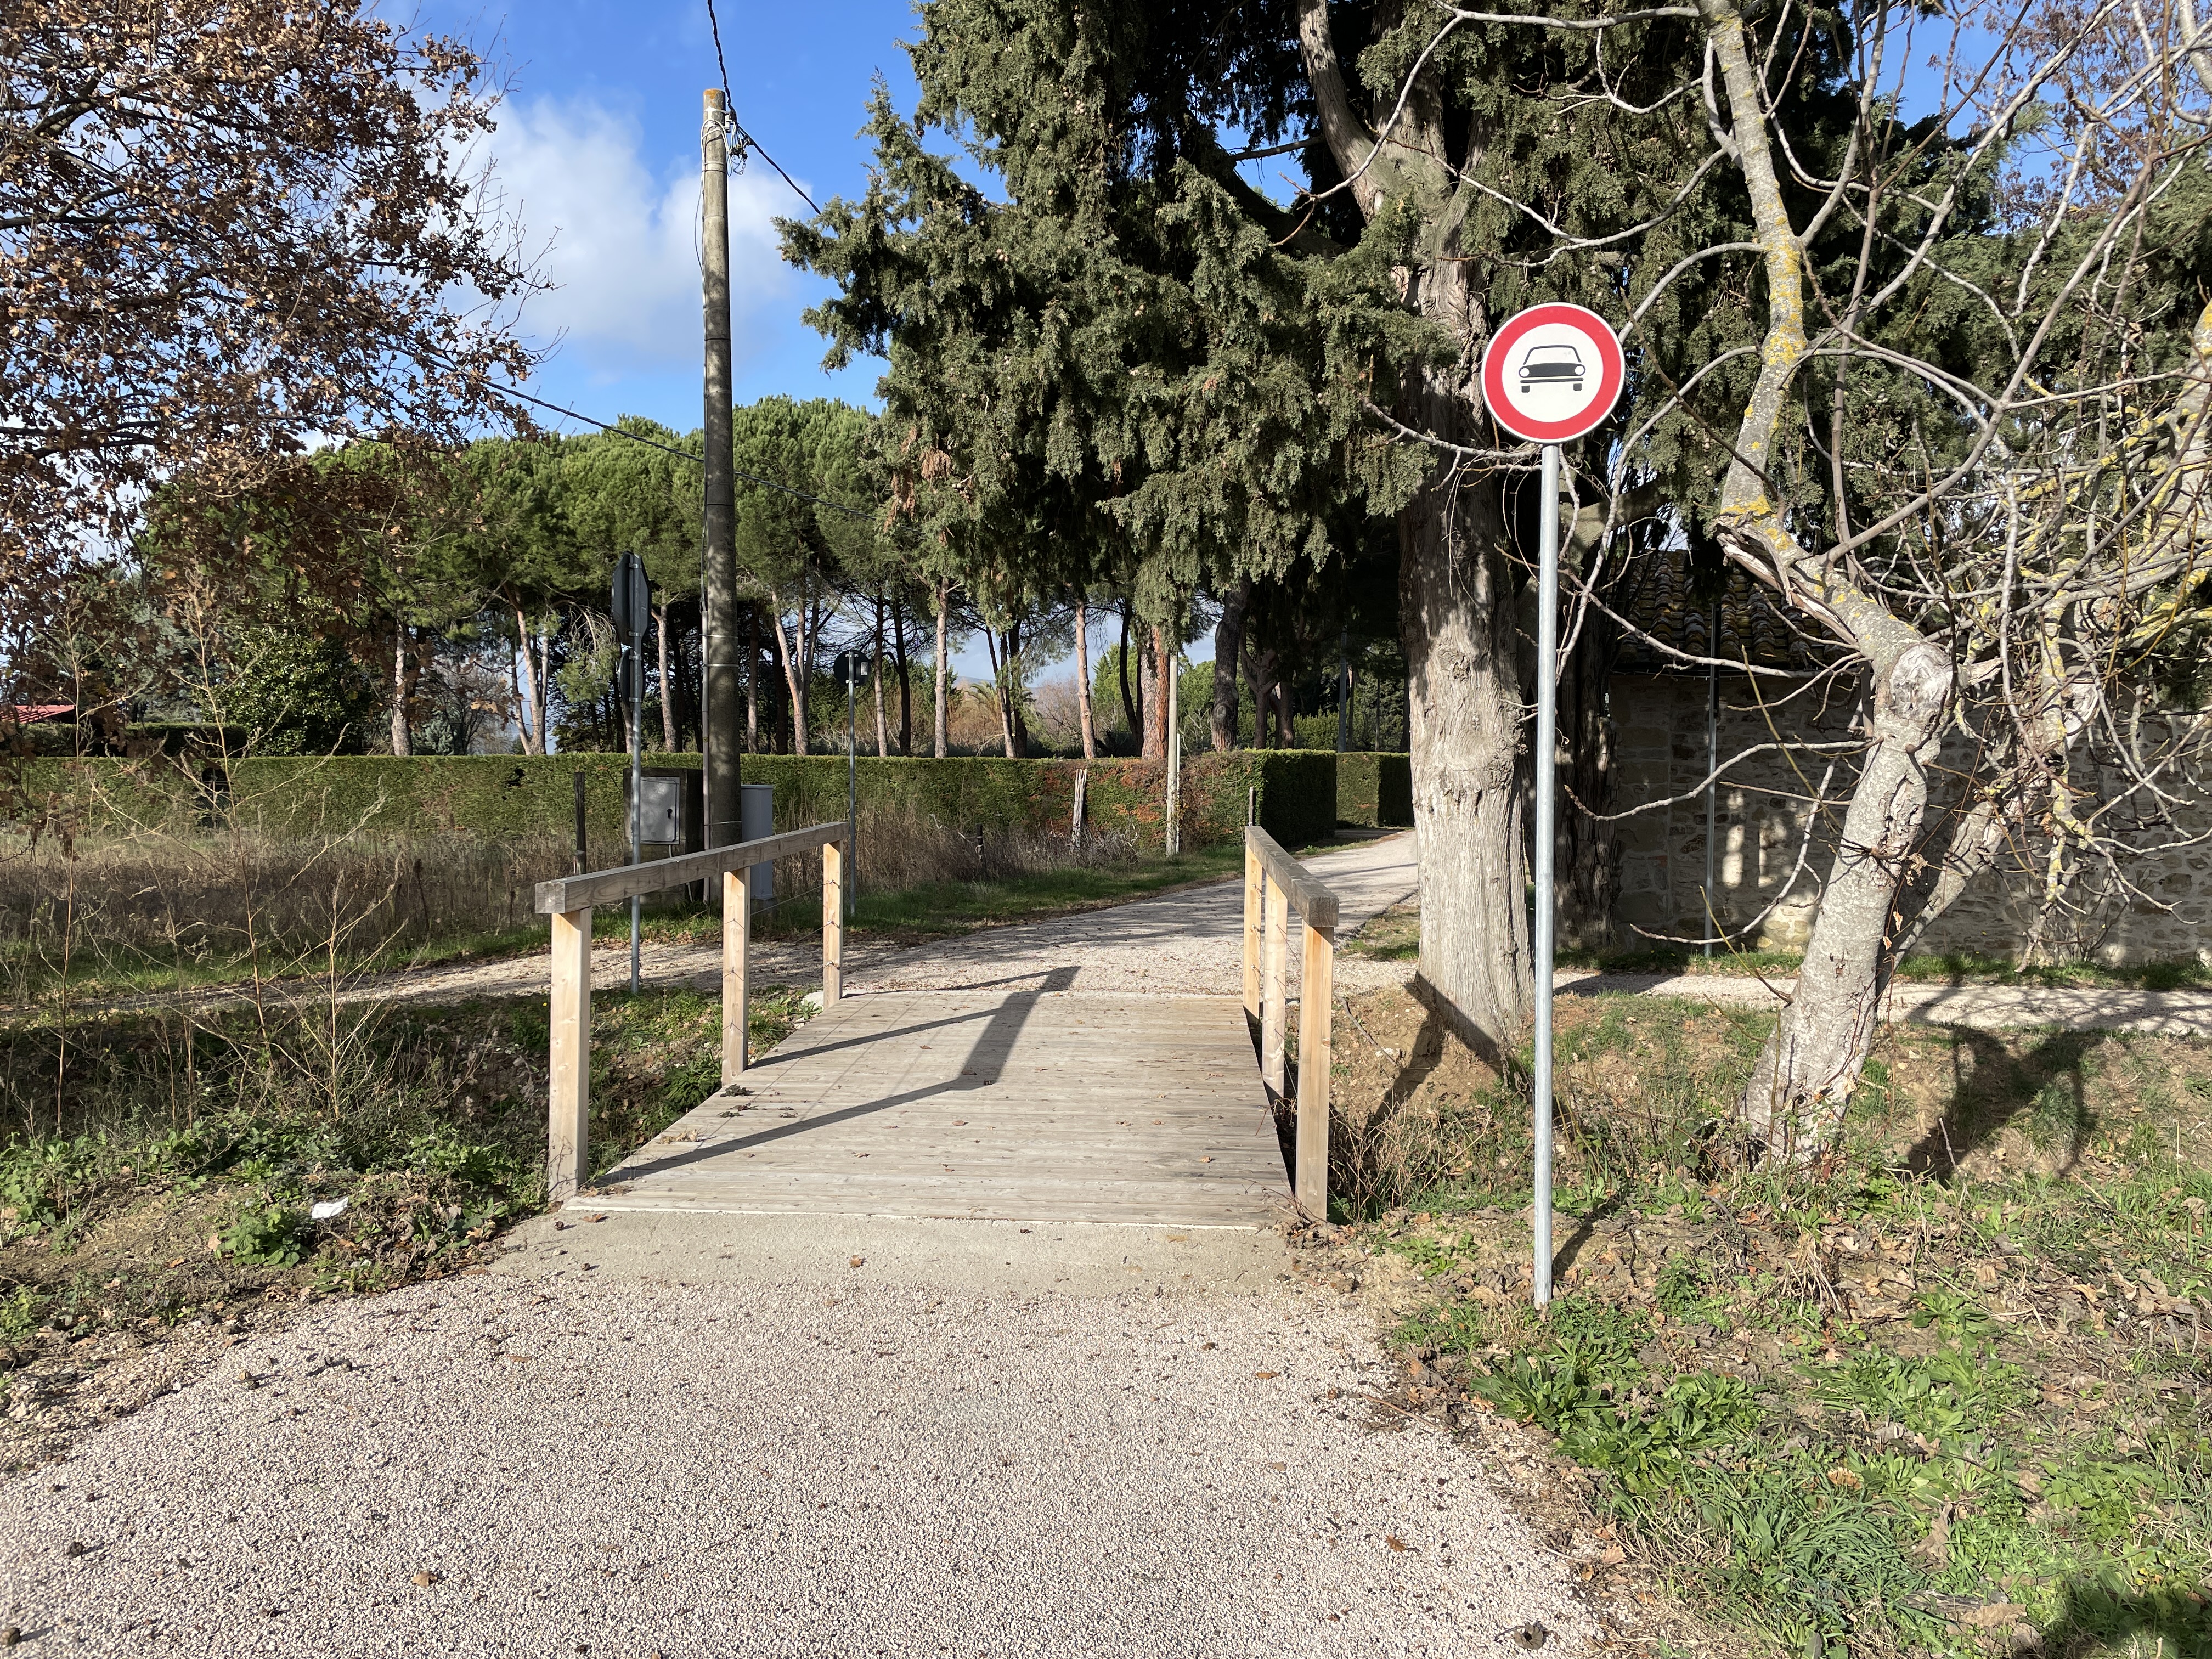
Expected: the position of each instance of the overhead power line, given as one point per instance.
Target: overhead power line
(745, 139)
(681, 454)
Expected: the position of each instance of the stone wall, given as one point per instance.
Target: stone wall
(1766, 806)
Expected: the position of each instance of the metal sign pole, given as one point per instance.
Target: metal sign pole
(636, 663)
(1547, 721)
(851, 782)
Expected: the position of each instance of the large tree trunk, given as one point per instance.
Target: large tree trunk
(1082, 680)
(1133, 709)
(1228, 645)
(876, 679)
(1587, 848)
(906, 685)
(752, 680)
(1456, 599)
(1455, 602)
(940, 710)
(1804, 1077)
(526, 693)
(400, 745)
(1152, 693)
(794, 671)
(667, 685)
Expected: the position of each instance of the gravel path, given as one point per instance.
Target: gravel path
(1182, 943)
(518, 1466)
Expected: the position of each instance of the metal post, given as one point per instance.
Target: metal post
(851, 782)
(1547, 720)
(636, 664)
(1712, 764)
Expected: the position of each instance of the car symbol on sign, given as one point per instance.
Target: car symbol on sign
(1552, 362)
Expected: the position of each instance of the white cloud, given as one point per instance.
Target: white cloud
(620, 242)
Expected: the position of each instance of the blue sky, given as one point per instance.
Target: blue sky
(598, 153)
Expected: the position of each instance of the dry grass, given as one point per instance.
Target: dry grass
(164, 910)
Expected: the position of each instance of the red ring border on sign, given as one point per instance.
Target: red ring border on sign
(1613, 371)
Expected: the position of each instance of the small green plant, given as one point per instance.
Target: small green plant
(20, 1313)
(275, 1236)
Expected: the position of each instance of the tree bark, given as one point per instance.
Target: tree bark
(752, 677)
(667, 698)
(791, 671)
(1163, 664)
(906, 686)
(941, 696)
(1228, 646)
(400, 745)
(1455, 589)
(876, 679)
(1083, 680)
(527, 691)
(1132, 710)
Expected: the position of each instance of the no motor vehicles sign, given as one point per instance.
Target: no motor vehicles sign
(1552, 373)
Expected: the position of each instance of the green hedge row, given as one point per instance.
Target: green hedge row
(1376, 790)
(507, 798)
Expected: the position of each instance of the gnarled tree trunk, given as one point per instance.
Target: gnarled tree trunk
(1228, 646)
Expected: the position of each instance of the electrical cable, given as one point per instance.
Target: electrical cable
(745, 139)
(684, 455)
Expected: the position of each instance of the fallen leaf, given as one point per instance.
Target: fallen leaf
(1845, 1481)
(1989, 1617)
(859, 1261)
(1394, 1540)
(1263, 1376)
(424, 1580)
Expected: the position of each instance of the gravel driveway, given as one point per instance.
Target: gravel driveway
(1072, 1453)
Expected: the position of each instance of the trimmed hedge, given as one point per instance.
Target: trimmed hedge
(512, 797)
(1374, 790)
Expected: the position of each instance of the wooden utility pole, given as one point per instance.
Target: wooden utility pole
(719, 743)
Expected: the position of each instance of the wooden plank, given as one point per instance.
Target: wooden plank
(1315, 995)
(737, 981)
(1274, 998)
(1314, 901)
(833, 923)
(988, 1104)
(1254, 890)
(569, 1093)
(567, 893)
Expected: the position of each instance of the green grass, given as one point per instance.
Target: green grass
(185, 1165)
(1832, 1468)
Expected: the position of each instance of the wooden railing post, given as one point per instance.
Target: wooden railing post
(833, 922)
(568, 1136)
(1317, 991)
(1254, 890)
(736, 983)
(1274, 999)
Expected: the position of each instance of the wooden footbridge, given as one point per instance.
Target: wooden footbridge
(1017, 1101)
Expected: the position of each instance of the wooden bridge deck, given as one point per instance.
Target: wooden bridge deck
(1018, 1102)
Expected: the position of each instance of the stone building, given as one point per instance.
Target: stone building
(1773, 845)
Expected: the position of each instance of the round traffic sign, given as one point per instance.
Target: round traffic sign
(1552, 373)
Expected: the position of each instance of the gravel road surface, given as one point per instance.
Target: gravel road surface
(1083, 1452)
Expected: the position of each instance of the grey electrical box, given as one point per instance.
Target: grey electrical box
(661, 822)
(673, 821)
(757, 822)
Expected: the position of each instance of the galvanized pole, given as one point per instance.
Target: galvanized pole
(1547, 721)
(852, 871)
(635, 660)
(1175, 756)
(719, 706)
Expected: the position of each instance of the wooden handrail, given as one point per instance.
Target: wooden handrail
(568, 901)
(1308, 897)
(566, 893)
(1275, 883)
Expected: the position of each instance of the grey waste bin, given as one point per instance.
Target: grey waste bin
(757, 822)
